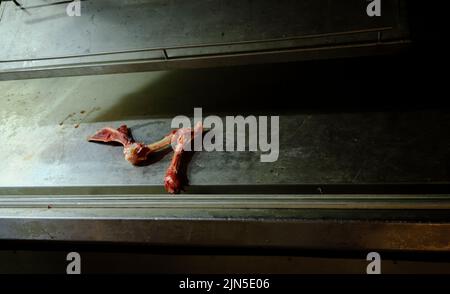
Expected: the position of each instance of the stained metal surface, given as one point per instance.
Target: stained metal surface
(44, 125)
(56, 186)
(57, 155)
(126, 36)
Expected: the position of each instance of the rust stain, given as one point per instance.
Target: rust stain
(80, 120)
(66, 118)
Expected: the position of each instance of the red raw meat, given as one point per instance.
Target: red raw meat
(106, 135)
(138, 153)
(135, 153)
(184, 137)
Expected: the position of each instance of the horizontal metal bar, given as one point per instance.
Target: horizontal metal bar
(199, 61)
(202, 45)
(287, 234)
(441, 202)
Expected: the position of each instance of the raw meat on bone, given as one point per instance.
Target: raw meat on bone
(183, 138)
(139, 153)
(135, 153)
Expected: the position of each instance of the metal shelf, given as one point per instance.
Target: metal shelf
(128, 36)
(44, 124)
(344, 180)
